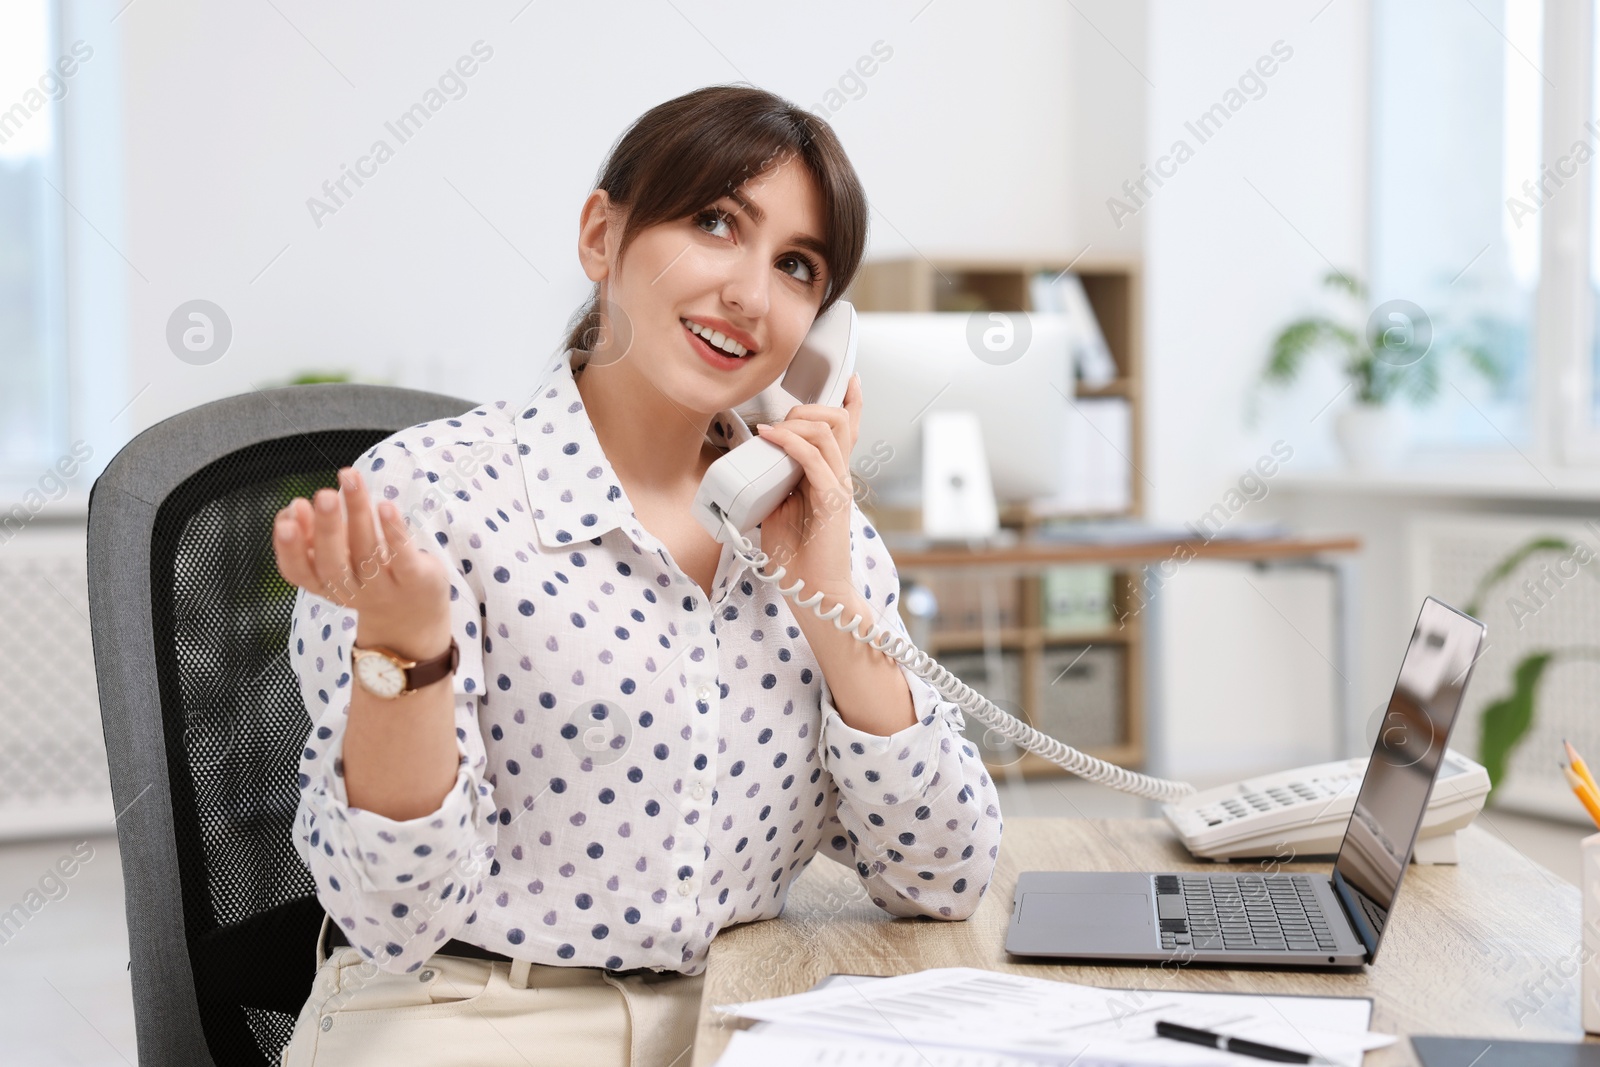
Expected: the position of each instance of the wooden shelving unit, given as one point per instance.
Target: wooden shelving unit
(968, 284)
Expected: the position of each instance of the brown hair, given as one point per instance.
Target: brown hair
(681, 156)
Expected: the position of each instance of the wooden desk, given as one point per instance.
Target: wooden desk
(1137, 605)
(1043, 552)
(1466, 954)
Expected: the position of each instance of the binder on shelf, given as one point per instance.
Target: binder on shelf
(1098, 473)
(1076, 599)
(1063, 293)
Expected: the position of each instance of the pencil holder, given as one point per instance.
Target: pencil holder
(1590, 880)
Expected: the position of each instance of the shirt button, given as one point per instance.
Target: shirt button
(698, 792)
(683, 889)
(705, 692)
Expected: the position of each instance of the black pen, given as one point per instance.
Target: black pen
(1234, 1044)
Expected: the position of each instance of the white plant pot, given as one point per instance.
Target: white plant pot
(1372, 436)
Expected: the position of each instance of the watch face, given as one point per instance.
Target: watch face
(379, 675)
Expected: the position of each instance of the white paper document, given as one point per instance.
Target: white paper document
(784, 1046)
(968, 1017)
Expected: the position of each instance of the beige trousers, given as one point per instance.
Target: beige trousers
(462, 1011)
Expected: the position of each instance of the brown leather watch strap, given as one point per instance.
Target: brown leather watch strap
(428, 671)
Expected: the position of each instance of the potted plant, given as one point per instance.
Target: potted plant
(1507, 720)
(1397, 355)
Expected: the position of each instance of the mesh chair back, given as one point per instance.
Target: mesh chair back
(203, 717)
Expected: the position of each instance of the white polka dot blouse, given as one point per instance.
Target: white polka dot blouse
(639, 767)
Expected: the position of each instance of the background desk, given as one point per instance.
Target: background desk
(1467, 951)
(1142, 569)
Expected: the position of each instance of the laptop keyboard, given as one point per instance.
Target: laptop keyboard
(1242, 912)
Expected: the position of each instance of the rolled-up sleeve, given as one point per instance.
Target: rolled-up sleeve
(398, 889)
(915, 812)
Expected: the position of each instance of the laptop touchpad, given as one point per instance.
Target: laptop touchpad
(1087, 922)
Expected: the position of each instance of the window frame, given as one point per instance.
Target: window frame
(1567, 312)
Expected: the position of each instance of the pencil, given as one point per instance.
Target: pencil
(1581, 767)
(1585, 794)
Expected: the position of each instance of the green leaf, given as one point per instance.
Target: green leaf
(1481, 359)
(1290, 348)
(1364, 372)
(1348, 282)
(1499, 572)
(1420, 381)
(1506, 721)
(1301, 338)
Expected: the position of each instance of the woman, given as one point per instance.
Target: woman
(618, 742)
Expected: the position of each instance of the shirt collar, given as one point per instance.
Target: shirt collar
(573, 490)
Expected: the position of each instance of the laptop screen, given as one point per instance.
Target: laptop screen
(1405, 760)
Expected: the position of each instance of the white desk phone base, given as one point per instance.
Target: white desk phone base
(1294, 813)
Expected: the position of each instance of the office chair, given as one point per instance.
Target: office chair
(203, 717)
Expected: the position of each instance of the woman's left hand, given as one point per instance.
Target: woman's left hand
(809, 532)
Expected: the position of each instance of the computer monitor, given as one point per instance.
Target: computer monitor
(914, 362)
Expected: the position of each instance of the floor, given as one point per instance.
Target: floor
(64, 993)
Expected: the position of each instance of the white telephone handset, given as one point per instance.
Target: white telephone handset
(744, 485)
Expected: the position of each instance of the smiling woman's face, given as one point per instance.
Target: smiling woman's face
(751, 270)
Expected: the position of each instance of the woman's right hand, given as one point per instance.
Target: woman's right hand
(399, 591)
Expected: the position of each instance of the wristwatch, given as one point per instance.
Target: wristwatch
(384, 673)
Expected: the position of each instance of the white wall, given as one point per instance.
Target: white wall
(992, 129)
(1235, 244)
(1108, 83)
(233, 119)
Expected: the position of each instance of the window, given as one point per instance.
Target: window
(33, 365)
(1456, 106)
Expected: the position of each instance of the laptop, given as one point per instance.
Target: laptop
(1264, 916)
